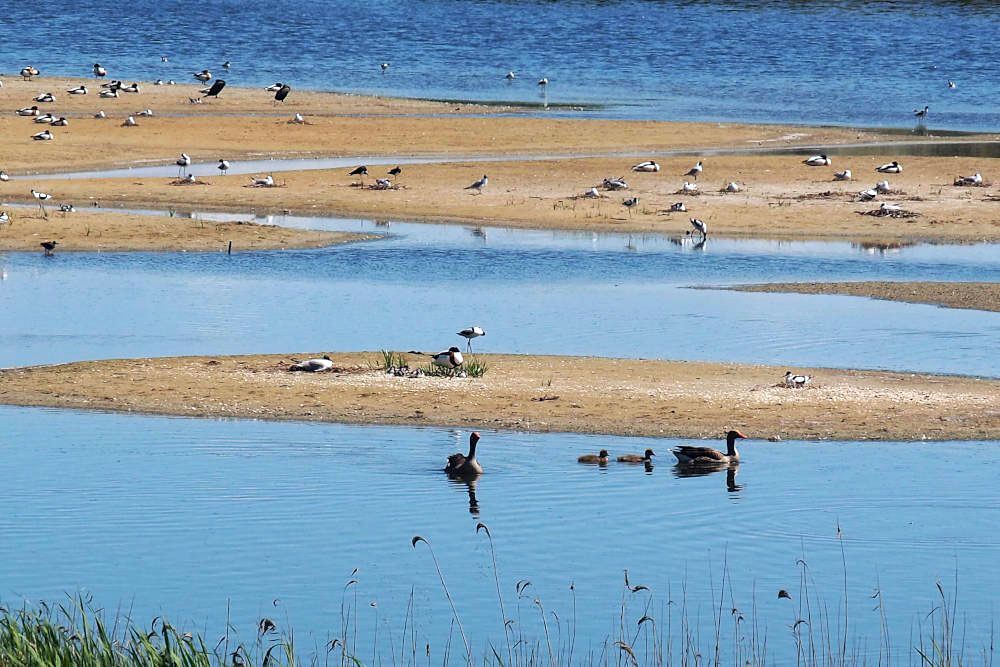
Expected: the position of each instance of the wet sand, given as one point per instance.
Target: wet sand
(780, 198)
(540, 393)
(100, 231)
(973, 296)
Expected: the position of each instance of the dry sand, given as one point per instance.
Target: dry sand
(974, 296)
(97, 231)
(580, 394)
(781, 197)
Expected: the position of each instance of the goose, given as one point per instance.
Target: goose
(395, 171)
(266, 182)
(691, 455)
(45, 119)
(890, 168)
(131, 88)
(882, 187)
(469, 333)
(79, 90)
(843, 175)
(867, 195)
(543, 81)
(648, 166)
(921, 113)
(637, 458)
(130, 122)
(215, 89)
(108, 94)
(49, 247)
(479, 185)
(975, 179)
(384, 67)
(797, 381)
(450, 358)
(282, 93)
(699, 226)
(44, 135)
(99, 71)
(733, 187)
(45, 97)
(60, 122)
(678, 207)
(203, 76)
(600, 458)
(689, 187)
(818, 161)
(100, 114)
(223, 166)
(28, 111)
(615, 184)
(313, 365)
(695, 171)
(462, 465)
(510, 75)
(4, 176)
(274, 87)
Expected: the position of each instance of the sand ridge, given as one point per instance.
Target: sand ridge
(970, 295)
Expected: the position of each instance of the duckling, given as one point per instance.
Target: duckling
(636, 458)
(600, 458)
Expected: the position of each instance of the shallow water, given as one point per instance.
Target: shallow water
(183, 517)
(534, 292)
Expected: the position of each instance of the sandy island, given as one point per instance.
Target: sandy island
(541, 393)
(101, 231)
(974, 296)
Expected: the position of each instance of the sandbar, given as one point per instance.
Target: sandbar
(968, 295)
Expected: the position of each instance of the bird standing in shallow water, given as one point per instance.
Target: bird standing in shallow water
(462, 465)
(921, 113)
(699, 226)
(49, 247)
(223, 166)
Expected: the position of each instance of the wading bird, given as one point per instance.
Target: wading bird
(49, 247)
(699, 226)
(471, 332)
(796, 381)
(479, 185)
(215, 89)
(99, 71)
(695, 171)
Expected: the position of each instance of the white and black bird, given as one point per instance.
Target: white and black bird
(733, 186)
(4, 217)
(223, 166)
(678, 207)
(164, 59)
(67, 208)
(44, 119)
(921, 113)
(215, 89)
(145, 113)
(361, 171)
(695, 171)
(649, 166)
(543, 81)
(266, 182)
(4, 176)
(59, 122)
(886, 208)
(274, 87)
(630, 203)
(951, 85)
(45, 97)
(615, 184)
(204, 76)
(282, 93)
(131, 88)
(384, 67)
(130, 122)
(183, 162)
(44, 135)
(49, 247)
(28, 111)
(99, 71)
(796, 381)
(592, 193)
(226, 65)
(818, 161)
(100, 114)
(689, 187)
(469, 333)
(479, 185)
(867, 195)
(450, 358)
(510, 75)
(109, 93)
(882, 187)
(843, 175)
(79, 90)
(890, 168)
(975, 179)
(699, 226)
(41, 198)
(28, 72)
(319, 365)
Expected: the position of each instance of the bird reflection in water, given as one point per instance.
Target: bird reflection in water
(470, 485)
(478, 232)
(681, 471)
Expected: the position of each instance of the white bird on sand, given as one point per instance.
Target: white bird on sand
(469, 333)
(615, 184)
(648, 166)
(266, 182)
(297, 119)
(818, 161)
(183, 162)
(130, 122)
(203, 76)
(796, 381)
(450, 358)
(99, 71)
(28, 72)
(223, 166)
(145, 113)
(189, 179)
(4, 217)
(45, 97)
(324, 363)
(700, 226)
(543, 81)
(4, 176)
(79, 90)
(44, 119)
(890, 168)
(60, 122)
(510, 76)
(695, 171)
(131, 88)
(843, 175)
(887, 208)
(867, 195)
(733, 187)
(678, 207)
(100, 114)
(28, 111)
(921, 113)
(975, 179)
(592, 193)
(44, 135)
(882, 187)
(689, 187)
(108, 94)
(479, 185)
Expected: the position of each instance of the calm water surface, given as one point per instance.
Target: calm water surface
(176, 516)
(844, 62)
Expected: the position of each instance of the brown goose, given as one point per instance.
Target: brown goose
(690, 455)
(460, 465)
(600, 459)
(636, 458)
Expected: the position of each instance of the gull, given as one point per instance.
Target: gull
(921, 113)
(130, 122)
(44, 135)
(45, 97)
(79, 90)
(882, 187)
(395, 171)
(107, 94)
(131, 88)
(450, 358)
(678, 207)
(699, 226)
(975, 179)
(479, 185)
(648, 166)
(615, 184)
(45, 118)
(469, 333)
(890, 168)
(867, 195)
(384, 67)
(842, 175)
(49, 247)
(313, 365)
(733, 187)
(695, 171)
(796, 381)
(266, 182)
(4, 176)
(298, 119)
(543, 81)
(223, 166)
(60, 122)
(889, 208)
(145, 113)
(282, 93)
(203, 76)
(183, 162)
(510, 76)
(274, 87)
(100, 114)
(818, 161)
(28, 111)
(689, 187)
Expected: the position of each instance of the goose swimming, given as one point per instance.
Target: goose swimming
(313, 365)
(462, 465)
(646, 457)
(694, 456)
(818, 161)
(601, 458)
(648, 166)
(890, 168)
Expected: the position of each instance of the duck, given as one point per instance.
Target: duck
(843, 175)
(79, 90)
(223, 166)
(274, 87)
(461, 465)
(384, 67)
(28, 111)
(67, 208)
(45, 118)
(45, 97)
(130, 122)
(818, 161)
(637, 458)
(108, 94)
(44, 135)
(890, 168)
(689, 187)
(691, 455)
(678, 207)
(615, 184)
(975, 179)
(203, 76)
(592, 193)
(450, 358)
(797, 381)
(649, 166)
(28, 72)
(695, 171)
(145, 113)
(324, 363)
(601, 458)
(131, 88)
(510, 76)
(60, 122)
(99, 71)
(888, 209)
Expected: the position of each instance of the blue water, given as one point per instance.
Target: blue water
(858, 63)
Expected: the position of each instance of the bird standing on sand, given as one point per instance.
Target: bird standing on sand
(796, 381)
(479, 185)
(708, 456)
(395, 171)
(282, 93)
(921, 113)
(361, 171)
(450, 358)
(99, 71)
(695, 171)
(471, 332)
(223, 166)
(183, 162)
(203, 76)
(462, 465)
(215, 89)
(630, 203)
(49, 247)
(699, 226)
(28, 72)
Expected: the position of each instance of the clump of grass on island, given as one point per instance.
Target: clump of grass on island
(390, 361)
